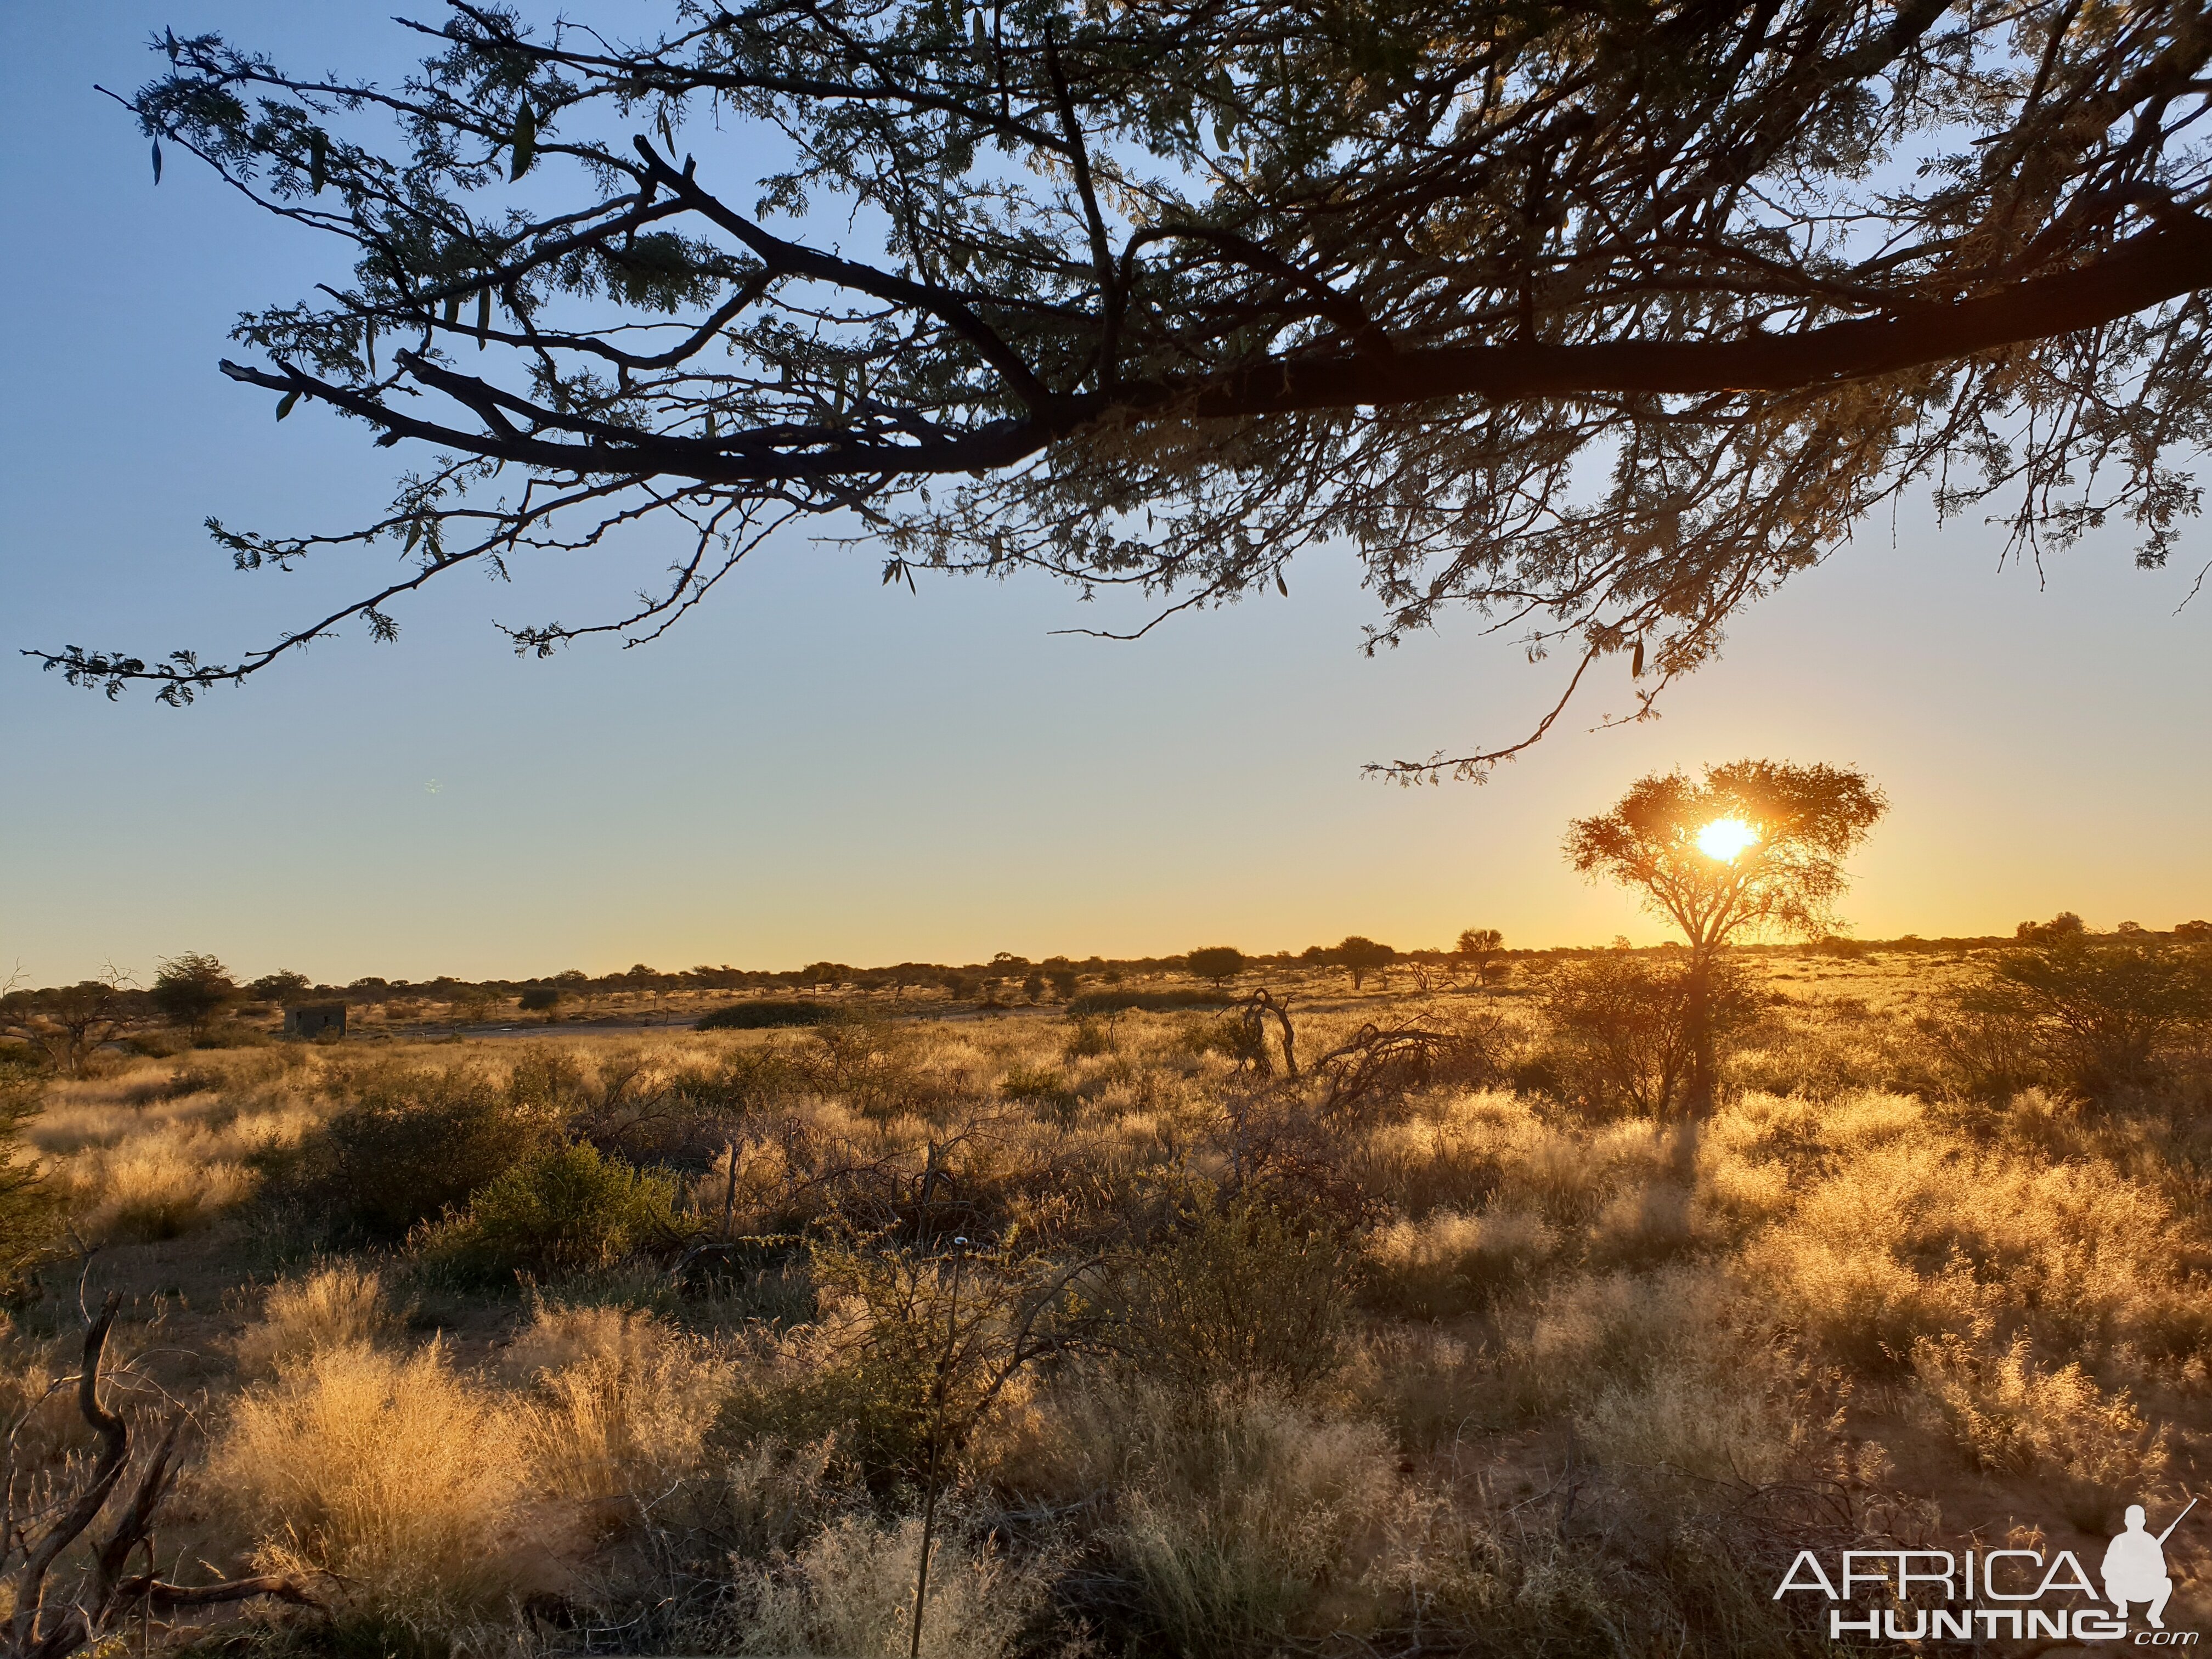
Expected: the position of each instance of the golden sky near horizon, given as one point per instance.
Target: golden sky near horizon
(815, 766)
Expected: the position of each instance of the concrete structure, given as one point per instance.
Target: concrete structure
(312, 1019)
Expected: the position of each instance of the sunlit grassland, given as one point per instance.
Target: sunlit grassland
(1466, 1360)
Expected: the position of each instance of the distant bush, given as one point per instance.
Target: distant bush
(1110, 1002)
(1219, 962)
(767, 1016)
(565, 1209)
(2099, 1013)
(193, 989)
(539, 997)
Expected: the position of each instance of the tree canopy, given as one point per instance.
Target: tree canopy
(1781, 868)
(1598, 320)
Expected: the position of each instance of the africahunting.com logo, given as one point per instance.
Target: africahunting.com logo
(1992, 1594)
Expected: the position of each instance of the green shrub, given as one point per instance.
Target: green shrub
(30, 1209)
(2103, 1013)
(1089, 1039)
(1040, 1086)
(767, 1016)
(539, 997)
(1234, 1295)
(416, 1142)
(565, 1209)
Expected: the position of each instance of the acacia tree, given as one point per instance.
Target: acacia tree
(1601, 321)
(193, 990)
(1219, 962)
(1757, 846)
(1360, 956)
(1478, 947)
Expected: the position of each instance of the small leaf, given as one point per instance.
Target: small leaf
(157, 161)
(318, 160)
(284, 405)
(524, 140)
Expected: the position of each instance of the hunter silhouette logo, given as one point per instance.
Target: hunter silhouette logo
(2134, 1566)
(1993, 1594)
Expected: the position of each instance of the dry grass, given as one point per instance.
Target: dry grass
(404, 1479)
(1583, 1363)
(616, 1403)
(340, 1306)
(848, 1594)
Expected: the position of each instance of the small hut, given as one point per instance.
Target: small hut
(312, 1019)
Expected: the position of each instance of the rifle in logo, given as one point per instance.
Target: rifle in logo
(2135, 1566)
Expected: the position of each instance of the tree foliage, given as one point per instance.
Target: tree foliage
(1782, 870)
(1219, 962)
(193, 989)
(285, 985)
(1601, 321)
(1804, 820)
(1360, 956)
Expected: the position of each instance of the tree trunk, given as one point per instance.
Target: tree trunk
(1698, 1034)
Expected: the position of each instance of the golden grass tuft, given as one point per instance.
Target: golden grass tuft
(617, 1404)
(339, 1306)
(403, 1480)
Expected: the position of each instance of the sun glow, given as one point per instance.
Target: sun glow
(1726, 839)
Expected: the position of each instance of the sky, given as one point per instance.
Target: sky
(816, 766)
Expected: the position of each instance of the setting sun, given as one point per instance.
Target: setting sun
(1725, 839)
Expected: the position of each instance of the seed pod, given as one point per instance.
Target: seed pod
(284, 405)
(524, 140)
(157, 161)
(483, 318)
(1636, 663)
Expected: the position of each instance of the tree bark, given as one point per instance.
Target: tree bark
(1697, 1031)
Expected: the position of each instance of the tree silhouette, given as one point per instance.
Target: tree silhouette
(1478, 947)
(193, 989)
(1219, 962)
(1781, 870)
(1360, 956)
(1600, 322)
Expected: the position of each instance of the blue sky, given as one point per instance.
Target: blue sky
(818, 766)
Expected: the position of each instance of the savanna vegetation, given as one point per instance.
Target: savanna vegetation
(1387, 1321)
